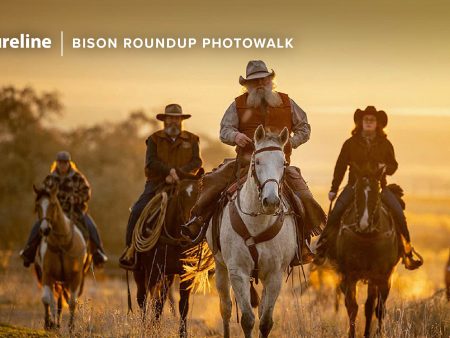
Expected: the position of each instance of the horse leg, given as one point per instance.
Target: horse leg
(272, 287)
(141, 294)
(72, 306)
(240, 283)
(383, 293)
(49, 304)
(166, 281)
(372, 294)
(348, 288)
(183, 307)
(60, 306)
(223, 288)
(337, 299)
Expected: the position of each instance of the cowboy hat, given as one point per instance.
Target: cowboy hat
(381, 116)
(173, 110)
(256, 69)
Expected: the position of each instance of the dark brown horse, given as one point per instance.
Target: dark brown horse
(368, 249)
(160, 265)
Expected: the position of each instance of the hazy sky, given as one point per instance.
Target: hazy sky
(347, 54)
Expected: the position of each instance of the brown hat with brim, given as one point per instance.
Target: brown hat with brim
(256, 69)
(173, 110)
(381, 116)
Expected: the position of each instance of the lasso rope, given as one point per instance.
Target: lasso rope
(156, 207)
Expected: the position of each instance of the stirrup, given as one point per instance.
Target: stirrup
(409, 261)
(187, 233)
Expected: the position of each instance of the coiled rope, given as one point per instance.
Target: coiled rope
(155, 209)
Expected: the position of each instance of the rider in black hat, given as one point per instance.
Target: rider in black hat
(367, 146)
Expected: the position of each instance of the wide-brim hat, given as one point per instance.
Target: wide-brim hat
(173, 110)
(382, 118)
(256, 69)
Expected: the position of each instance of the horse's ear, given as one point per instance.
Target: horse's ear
(284, 136)
(260, 133)
(54, 192)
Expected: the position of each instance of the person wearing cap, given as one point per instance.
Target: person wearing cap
(74, 193)
(259, 105)
(368, 145)
(171, 154)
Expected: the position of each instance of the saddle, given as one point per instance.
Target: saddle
(294, 203)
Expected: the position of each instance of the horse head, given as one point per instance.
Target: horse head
(367, 194)
(46, 207)
(267, 167)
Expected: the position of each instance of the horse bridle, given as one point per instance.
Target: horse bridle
(372, 215)
(255, 176)
(260, 185)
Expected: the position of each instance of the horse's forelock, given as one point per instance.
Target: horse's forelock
(42, 193)
(270, 138)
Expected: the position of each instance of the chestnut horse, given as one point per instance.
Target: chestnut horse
(63, 258)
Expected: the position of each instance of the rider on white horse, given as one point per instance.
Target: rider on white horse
(259, 105)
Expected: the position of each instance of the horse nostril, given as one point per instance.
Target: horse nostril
(264, 202)
(277, 202)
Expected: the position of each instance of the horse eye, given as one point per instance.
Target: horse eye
(257, 161)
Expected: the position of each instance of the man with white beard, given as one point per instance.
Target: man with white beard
(260, 104)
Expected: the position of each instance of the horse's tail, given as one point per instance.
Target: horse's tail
(254, 297)
(198, 265)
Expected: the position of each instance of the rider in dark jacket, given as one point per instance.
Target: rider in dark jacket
(367, 146)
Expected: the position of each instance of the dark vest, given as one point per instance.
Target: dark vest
(174, 154)
(273, 120)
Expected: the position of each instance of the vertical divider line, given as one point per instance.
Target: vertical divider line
(62, 43)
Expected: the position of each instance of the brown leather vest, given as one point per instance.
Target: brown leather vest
(274, 120)
(174, 154)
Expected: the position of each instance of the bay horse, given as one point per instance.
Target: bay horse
(63, 258)
(264, 242)
(159, 265)
(367, 249)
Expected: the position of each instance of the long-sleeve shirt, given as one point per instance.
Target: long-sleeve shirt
(301, 130)
(359, 151)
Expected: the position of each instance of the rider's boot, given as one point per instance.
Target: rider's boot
(27, 255)
(99, 258)
(193, 227)
(29, 252)
(128, 259)
(306, 256)
(408, 257)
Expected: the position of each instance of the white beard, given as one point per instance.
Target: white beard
(256, 96)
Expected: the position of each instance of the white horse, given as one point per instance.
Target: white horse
(261, 208)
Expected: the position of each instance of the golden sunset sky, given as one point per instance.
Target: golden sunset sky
(347, 54)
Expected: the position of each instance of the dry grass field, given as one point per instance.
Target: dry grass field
(417, 306)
